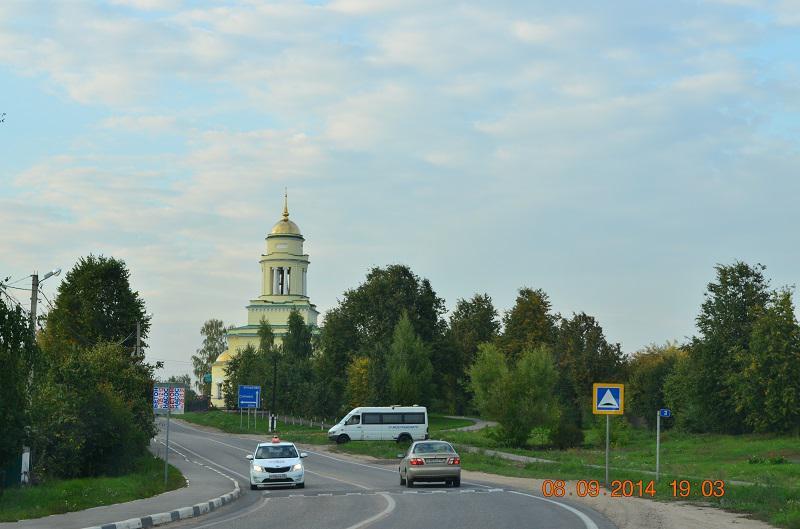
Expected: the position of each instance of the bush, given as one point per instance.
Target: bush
(520, 396)
(566, 434)
(91, 414)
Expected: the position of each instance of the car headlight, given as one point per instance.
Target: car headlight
(258, 468)
(297, 466)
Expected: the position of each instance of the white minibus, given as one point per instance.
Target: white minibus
(399, 423)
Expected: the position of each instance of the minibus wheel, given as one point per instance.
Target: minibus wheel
(342, 439)
(403, 438)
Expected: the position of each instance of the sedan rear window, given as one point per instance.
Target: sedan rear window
(433, 448)
(275, 452)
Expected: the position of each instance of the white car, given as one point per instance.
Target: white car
(277, 463)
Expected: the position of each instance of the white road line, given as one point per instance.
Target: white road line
(212, 462)
(338, 479)
(585, 519)
(390, 505)
(240, 515)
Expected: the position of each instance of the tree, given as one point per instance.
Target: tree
(17, 352)
(295, 366)
(648, 370)
(94, 410)
(363, 325)
(680, 394)
(358, 390)
(727, 316)
(337, 345)
(214, 344)
(248, 366)
(472, 322)
(409, 366)
(528, 324)
(519, 396)
(94, 304)
(767, 392)
(583, 356)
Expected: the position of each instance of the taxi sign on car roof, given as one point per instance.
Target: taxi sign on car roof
(275, 439)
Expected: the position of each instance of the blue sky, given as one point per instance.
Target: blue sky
(609, 153)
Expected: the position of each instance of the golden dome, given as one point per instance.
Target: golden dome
(224, 357)
(285, 226)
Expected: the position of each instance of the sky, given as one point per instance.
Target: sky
(609, 153)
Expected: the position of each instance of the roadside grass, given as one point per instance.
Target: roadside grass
(60, 496)
(775, 460)
(773, 502)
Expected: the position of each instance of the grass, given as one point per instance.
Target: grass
(703, 456)
(774, 502)
(60, 496)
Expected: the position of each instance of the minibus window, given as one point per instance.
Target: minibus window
(392, 418)
(414, 418)
(355, 419)
(371, 418)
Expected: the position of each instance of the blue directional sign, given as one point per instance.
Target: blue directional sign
(249, 396)
(665, 412)
(608, 398)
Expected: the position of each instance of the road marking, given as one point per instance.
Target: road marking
(585, 519)
(390, 505)
(212, 462)
(338, 479)
(246, 512)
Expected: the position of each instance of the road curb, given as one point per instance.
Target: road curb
(183, 513)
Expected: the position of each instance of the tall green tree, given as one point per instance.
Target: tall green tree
(472, 322)
(518, 394)
(528, 324)
(363, 325)
(584, 356)
(95, 303)
(215, 342)
(17, 353)
(648, 370)
(409, 366)
(338, 343)
(295, 367)
(732, 305)
(767, 391)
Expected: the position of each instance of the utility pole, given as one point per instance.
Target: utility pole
(272, 420)
(34, 299)
(138, 338)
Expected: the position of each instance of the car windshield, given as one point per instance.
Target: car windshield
(275, 452)
(433, 448)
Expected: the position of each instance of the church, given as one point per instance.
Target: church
(284, 288)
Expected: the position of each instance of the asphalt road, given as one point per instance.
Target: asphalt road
(345, 494)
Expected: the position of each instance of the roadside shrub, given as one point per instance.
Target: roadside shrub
(519, 396)
(566, 434)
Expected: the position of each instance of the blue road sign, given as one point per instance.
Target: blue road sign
(608, 399)
(665, 412)
(249, 396)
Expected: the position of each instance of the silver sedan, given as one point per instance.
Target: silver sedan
(430, 461)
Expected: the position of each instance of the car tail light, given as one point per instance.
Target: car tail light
(454, 461)
(416, 461)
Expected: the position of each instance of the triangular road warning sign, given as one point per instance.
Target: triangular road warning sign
(608, 402)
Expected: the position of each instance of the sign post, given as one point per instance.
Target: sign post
(663, 412)
(249, 398)
(168, 399)
(608, 399)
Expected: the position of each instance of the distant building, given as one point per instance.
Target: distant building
(284, 288)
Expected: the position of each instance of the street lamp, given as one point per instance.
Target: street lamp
(35, 295)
